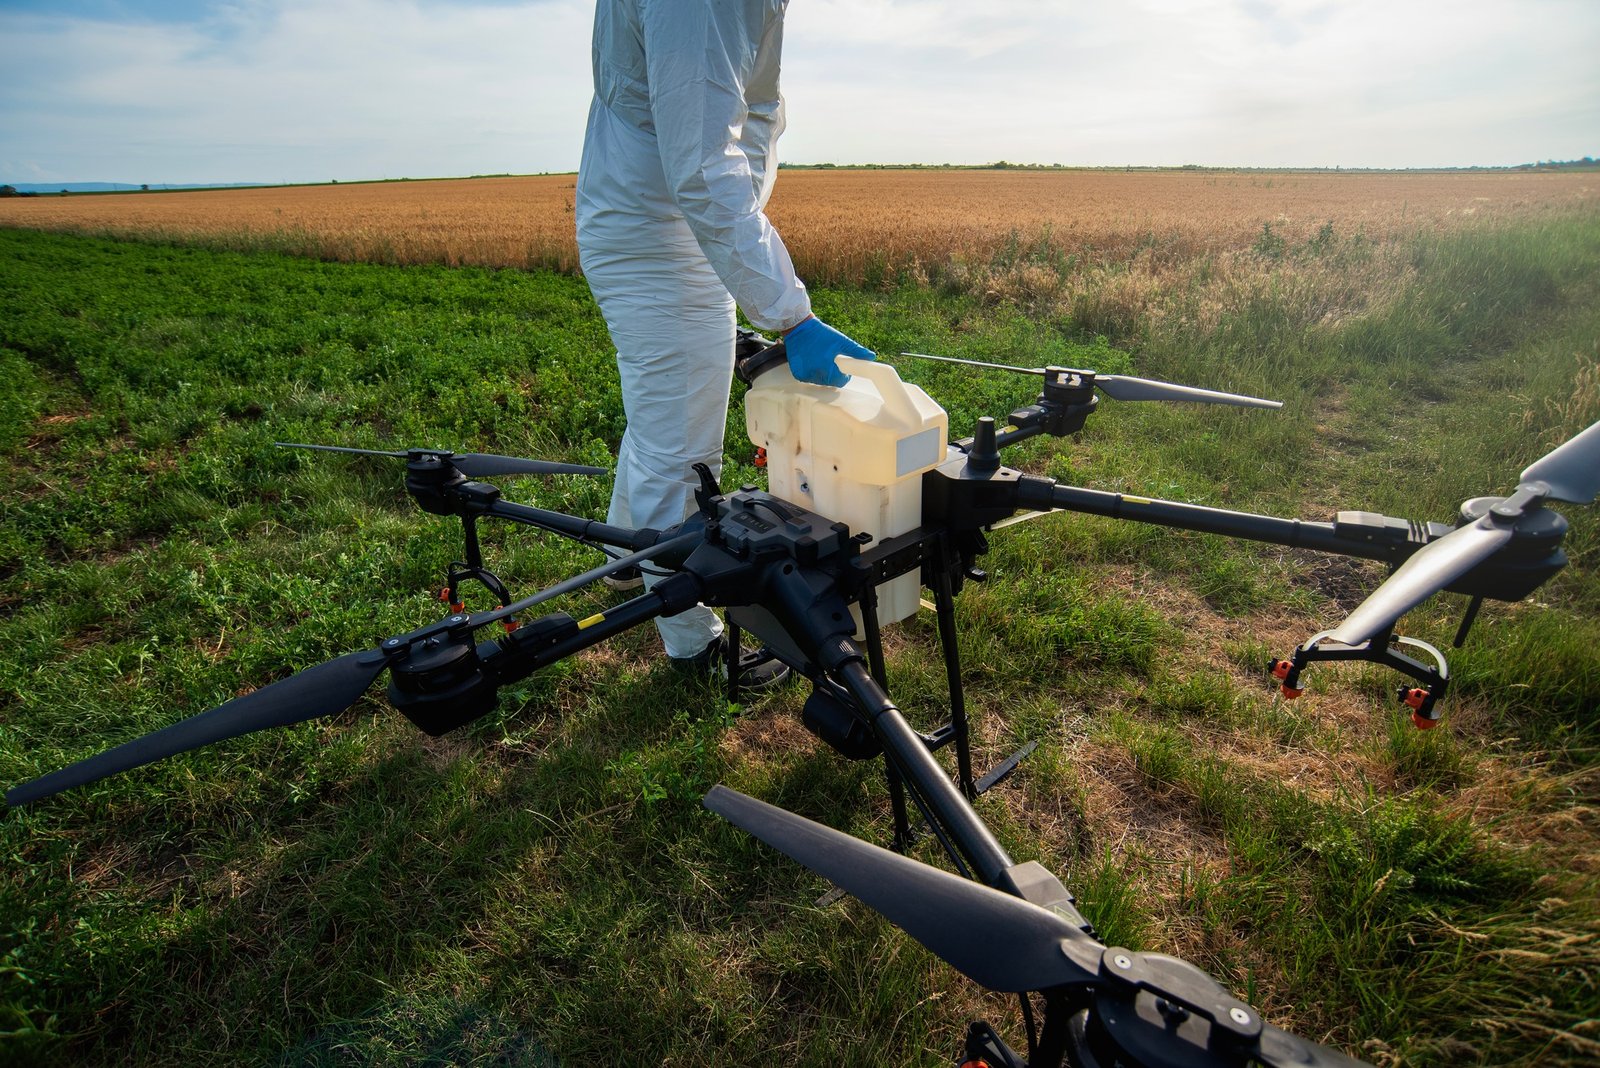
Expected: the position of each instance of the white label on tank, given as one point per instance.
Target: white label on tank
(917, 451)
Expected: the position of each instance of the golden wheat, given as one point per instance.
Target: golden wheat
(846, 225)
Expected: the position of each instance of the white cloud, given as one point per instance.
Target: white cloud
(304, 90)
(1367, 82)
(300, 90)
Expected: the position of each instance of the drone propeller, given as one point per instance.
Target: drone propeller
(324, 690)
(1433, 568)
(998, 941)
(1570, 472)
(1126, 387)
(1001, 942)
(471, 464)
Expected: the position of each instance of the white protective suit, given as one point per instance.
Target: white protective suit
(677, 166)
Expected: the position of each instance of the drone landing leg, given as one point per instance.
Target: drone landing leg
(897, 788)
(984, 1046)
(944, 602)
(958, 730)
(734, 638)
(472, 568)
(469, 529)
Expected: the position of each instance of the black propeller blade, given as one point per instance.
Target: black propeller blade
(320, 691)
(996, 940)
(1569, 472)
(1126, 387)
(1434, 567)
(1280, 1049)
(471, 464)
(488, 465)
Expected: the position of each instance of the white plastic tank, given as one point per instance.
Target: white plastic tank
(855, 454)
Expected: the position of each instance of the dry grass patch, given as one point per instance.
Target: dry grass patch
(770, 731)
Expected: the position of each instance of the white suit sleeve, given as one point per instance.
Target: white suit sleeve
(765, 120)
(700, 55)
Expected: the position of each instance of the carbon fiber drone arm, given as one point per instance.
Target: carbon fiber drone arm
(960, 495)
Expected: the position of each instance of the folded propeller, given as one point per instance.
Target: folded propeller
(1570, 472)
(1007, 944)
(471, 464)
(1122, 387)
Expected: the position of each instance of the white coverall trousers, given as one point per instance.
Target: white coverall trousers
(678, 162)
(672, 321)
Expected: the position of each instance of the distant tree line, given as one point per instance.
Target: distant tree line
(1586, 163)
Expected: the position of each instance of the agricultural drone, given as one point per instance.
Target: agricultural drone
(792, 577)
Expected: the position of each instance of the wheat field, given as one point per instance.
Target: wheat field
(844, 225)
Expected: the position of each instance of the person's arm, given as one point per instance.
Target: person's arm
(698, 56)
(765, 121)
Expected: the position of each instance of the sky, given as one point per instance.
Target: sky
(191, 91)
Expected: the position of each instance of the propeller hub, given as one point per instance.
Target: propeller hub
(429, 478)
(1064, 385)
(1524, 562)
(1534, 533)
(1139, 1027)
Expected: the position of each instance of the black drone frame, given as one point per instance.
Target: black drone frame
(790, 577)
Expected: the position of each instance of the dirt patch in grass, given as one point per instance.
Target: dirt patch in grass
(1174, 858)
(769, 731)
(1212, 641)
(50, 429)
(1345, 581)
(127, 864)
(441, 752)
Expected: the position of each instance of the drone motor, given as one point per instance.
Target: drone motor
(441, 683)
(837, 724)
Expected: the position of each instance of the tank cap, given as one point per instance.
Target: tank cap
(748, 368)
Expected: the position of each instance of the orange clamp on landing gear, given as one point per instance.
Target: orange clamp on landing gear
(447, 595)
(510, 622)
(1281, 670)
(1382, 649)
(1421, 702)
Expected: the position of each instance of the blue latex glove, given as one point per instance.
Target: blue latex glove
(812, 346)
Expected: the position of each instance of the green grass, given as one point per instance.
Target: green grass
(542, 887)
